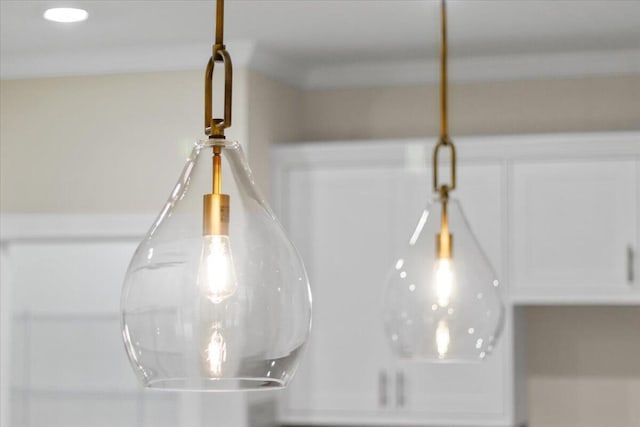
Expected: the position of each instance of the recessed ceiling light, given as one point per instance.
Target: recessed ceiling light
(65, 14)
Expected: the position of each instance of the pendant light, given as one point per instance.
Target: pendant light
(441, 300)
(216, 296)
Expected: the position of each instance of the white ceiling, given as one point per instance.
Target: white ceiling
(308, 41)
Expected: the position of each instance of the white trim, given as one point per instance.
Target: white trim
(117, 60)
(582, 296)
(392, 152)
(399, 418)
(33, 226)
(308, 76)
(473, 69)
(278, 68)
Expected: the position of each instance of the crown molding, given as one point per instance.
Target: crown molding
(470, 69)
(278, 67)
(338, 76)
(115, 60)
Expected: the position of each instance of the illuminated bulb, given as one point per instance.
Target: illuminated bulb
(442, 339)
(216, 353)
(217, 274)
(444, 281)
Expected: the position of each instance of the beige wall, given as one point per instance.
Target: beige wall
(90, 144)
(112, 144)
(274, 116)
(570, 105)
(584, 366)
(117, 144)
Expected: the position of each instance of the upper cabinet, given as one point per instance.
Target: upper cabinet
(556, 215)
(575, 227)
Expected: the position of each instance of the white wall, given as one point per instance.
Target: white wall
(117, 143)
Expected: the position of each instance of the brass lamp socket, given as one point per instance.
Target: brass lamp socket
(444, 245)
(215, 215)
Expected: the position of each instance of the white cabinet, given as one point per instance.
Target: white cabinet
(349, 210)
(555, 215)
(575, 227)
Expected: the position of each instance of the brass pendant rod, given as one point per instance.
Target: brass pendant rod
(215, 127)
(217, 170)
(443, 71)
(444, 239)
(444, 220)
(220, 22)
(215, 207)
(444, 140)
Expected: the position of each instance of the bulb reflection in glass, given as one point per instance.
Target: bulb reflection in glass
(217, 274)
(442, 339)
(216, 352)
(444, 281)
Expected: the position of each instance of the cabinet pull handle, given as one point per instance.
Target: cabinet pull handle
(630, 260)
(382, 389)
(400, 395)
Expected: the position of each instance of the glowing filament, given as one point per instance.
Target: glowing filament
(216, 353)
(442, 339)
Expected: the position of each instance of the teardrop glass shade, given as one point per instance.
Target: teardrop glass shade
(438, 309)
(215, 312)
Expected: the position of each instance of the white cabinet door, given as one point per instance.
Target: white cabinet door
(573, 225)
(340, 219)
(458, 393)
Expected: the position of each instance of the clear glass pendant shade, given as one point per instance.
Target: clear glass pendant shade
(215, 312)
(442, 308)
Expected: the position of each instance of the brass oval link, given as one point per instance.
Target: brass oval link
(214, 127)
(444, 141)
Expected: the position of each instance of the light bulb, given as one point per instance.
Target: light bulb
(216, 352)
(442, 339)
(216, 273)
(444, 281)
